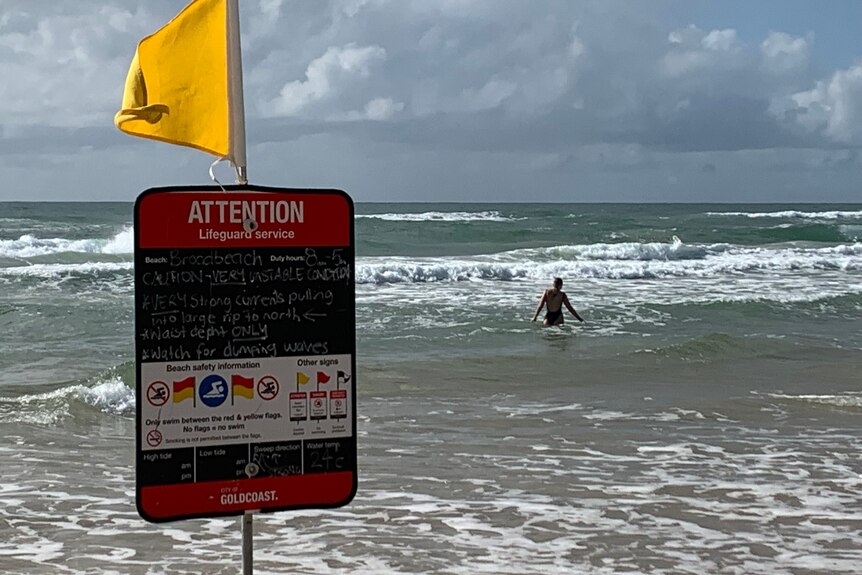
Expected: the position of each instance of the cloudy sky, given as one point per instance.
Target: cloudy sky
(462, 100)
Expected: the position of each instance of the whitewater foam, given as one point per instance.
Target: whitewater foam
(612, 261)
(795, 214)
(28, 245)
(112, 396)
(61, 270)
(486, 216)
(848, 400)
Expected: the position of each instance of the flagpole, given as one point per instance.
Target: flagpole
(235, 98)
(237, 156)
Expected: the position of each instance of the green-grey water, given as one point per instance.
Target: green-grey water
(705, 418)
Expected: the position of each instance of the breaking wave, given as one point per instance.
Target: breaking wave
(845, 401)
(109, 392)
(795, 214)
(29, 246)
(486, 216)
(611, 261)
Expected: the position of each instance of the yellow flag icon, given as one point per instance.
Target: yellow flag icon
(301, 378)
(177, 90)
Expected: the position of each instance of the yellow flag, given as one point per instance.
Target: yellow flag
(177, 90)
(301, 378)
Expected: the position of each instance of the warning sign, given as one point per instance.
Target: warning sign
(237, 296)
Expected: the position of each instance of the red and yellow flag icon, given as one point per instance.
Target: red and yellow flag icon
(301, 378)
(242, 386)
(184, 390)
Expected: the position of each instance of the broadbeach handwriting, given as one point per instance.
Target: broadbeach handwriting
(212, 258)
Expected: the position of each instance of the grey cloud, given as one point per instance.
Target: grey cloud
(831, 109)
(534, 79)
(454, 91)
(566, 74)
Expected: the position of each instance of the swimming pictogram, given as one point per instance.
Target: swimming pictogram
(213, 390)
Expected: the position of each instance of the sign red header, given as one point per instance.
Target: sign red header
(244, 216)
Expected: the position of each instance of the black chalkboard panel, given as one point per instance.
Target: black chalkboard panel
(328, 455)
(199, 304)
(277, 458)
(221, 462)
(168, 466)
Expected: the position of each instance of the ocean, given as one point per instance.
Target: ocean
(706, 418)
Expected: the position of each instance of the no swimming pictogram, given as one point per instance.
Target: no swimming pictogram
(158, 393)
(267, 387)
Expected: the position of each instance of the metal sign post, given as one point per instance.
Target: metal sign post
(247, 543)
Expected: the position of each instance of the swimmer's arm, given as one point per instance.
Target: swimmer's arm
(541, 305)
(571, 309)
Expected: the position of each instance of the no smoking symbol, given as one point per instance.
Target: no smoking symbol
(154, 438)
(158, 393)
(267, 387)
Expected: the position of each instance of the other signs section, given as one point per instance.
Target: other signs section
(245, 344)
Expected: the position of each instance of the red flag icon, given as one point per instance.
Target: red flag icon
(322, 377)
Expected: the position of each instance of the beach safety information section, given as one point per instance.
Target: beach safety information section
(245, 347)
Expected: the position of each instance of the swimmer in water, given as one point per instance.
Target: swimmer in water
(555, 298)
